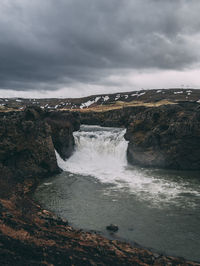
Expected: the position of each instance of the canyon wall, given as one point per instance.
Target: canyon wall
(166, 137)
(28, 141)
(112, 118)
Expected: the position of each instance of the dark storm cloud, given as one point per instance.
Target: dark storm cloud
(52, 43)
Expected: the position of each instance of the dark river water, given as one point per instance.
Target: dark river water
(157, 209)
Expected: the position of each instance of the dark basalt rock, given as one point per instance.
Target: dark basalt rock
(166, 136)
(26, 148)
(112, 227)
(33, 113)
(112, 118)
(62, 125)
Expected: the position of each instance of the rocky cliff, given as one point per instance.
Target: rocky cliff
(112, 118)
(167, 136)
(26, 149)
(28, 141)
(62, 126)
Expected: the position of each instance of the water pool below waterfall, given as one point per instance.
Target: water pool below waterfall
(159, 209)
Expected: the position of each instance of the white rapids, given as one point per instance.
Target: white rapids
(101, 153)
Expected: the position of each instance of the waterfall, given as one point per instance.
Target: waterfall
(101, 153)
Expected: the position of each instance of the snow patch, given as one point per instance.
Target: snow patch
(189, 92)
(142, 93)
(178, 92)
(105, 98)
(86, 104)
(96, 99)
(138, 94)
(117, 97)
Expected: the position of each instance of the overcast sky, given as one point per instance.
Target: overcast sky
(72, 48)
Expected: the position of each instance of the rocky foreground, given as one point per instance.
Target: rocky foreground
(30, 235)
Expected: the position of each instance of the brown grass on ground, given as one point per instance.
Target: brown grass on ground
(120, 105)
(104, 108)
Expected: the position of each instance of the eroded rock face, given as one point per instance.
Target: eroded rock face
(62, 125)
(27, 144)
(166, 137)
(26, 148)
(112, 118)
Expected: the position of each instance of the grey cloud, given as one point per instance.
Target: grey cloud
(57, 42)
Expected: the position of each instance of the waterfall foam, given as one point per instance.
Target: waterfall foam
(101, 153)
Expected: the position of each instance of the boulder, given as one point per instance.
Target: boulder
(112, 227)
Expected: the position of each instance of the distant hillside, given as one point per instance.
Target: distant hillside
(106, 102)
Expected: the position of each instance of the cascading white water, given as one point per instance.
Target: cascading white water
(101, 153)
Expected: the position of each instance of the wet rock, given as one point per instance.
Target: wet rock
(112, 227)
